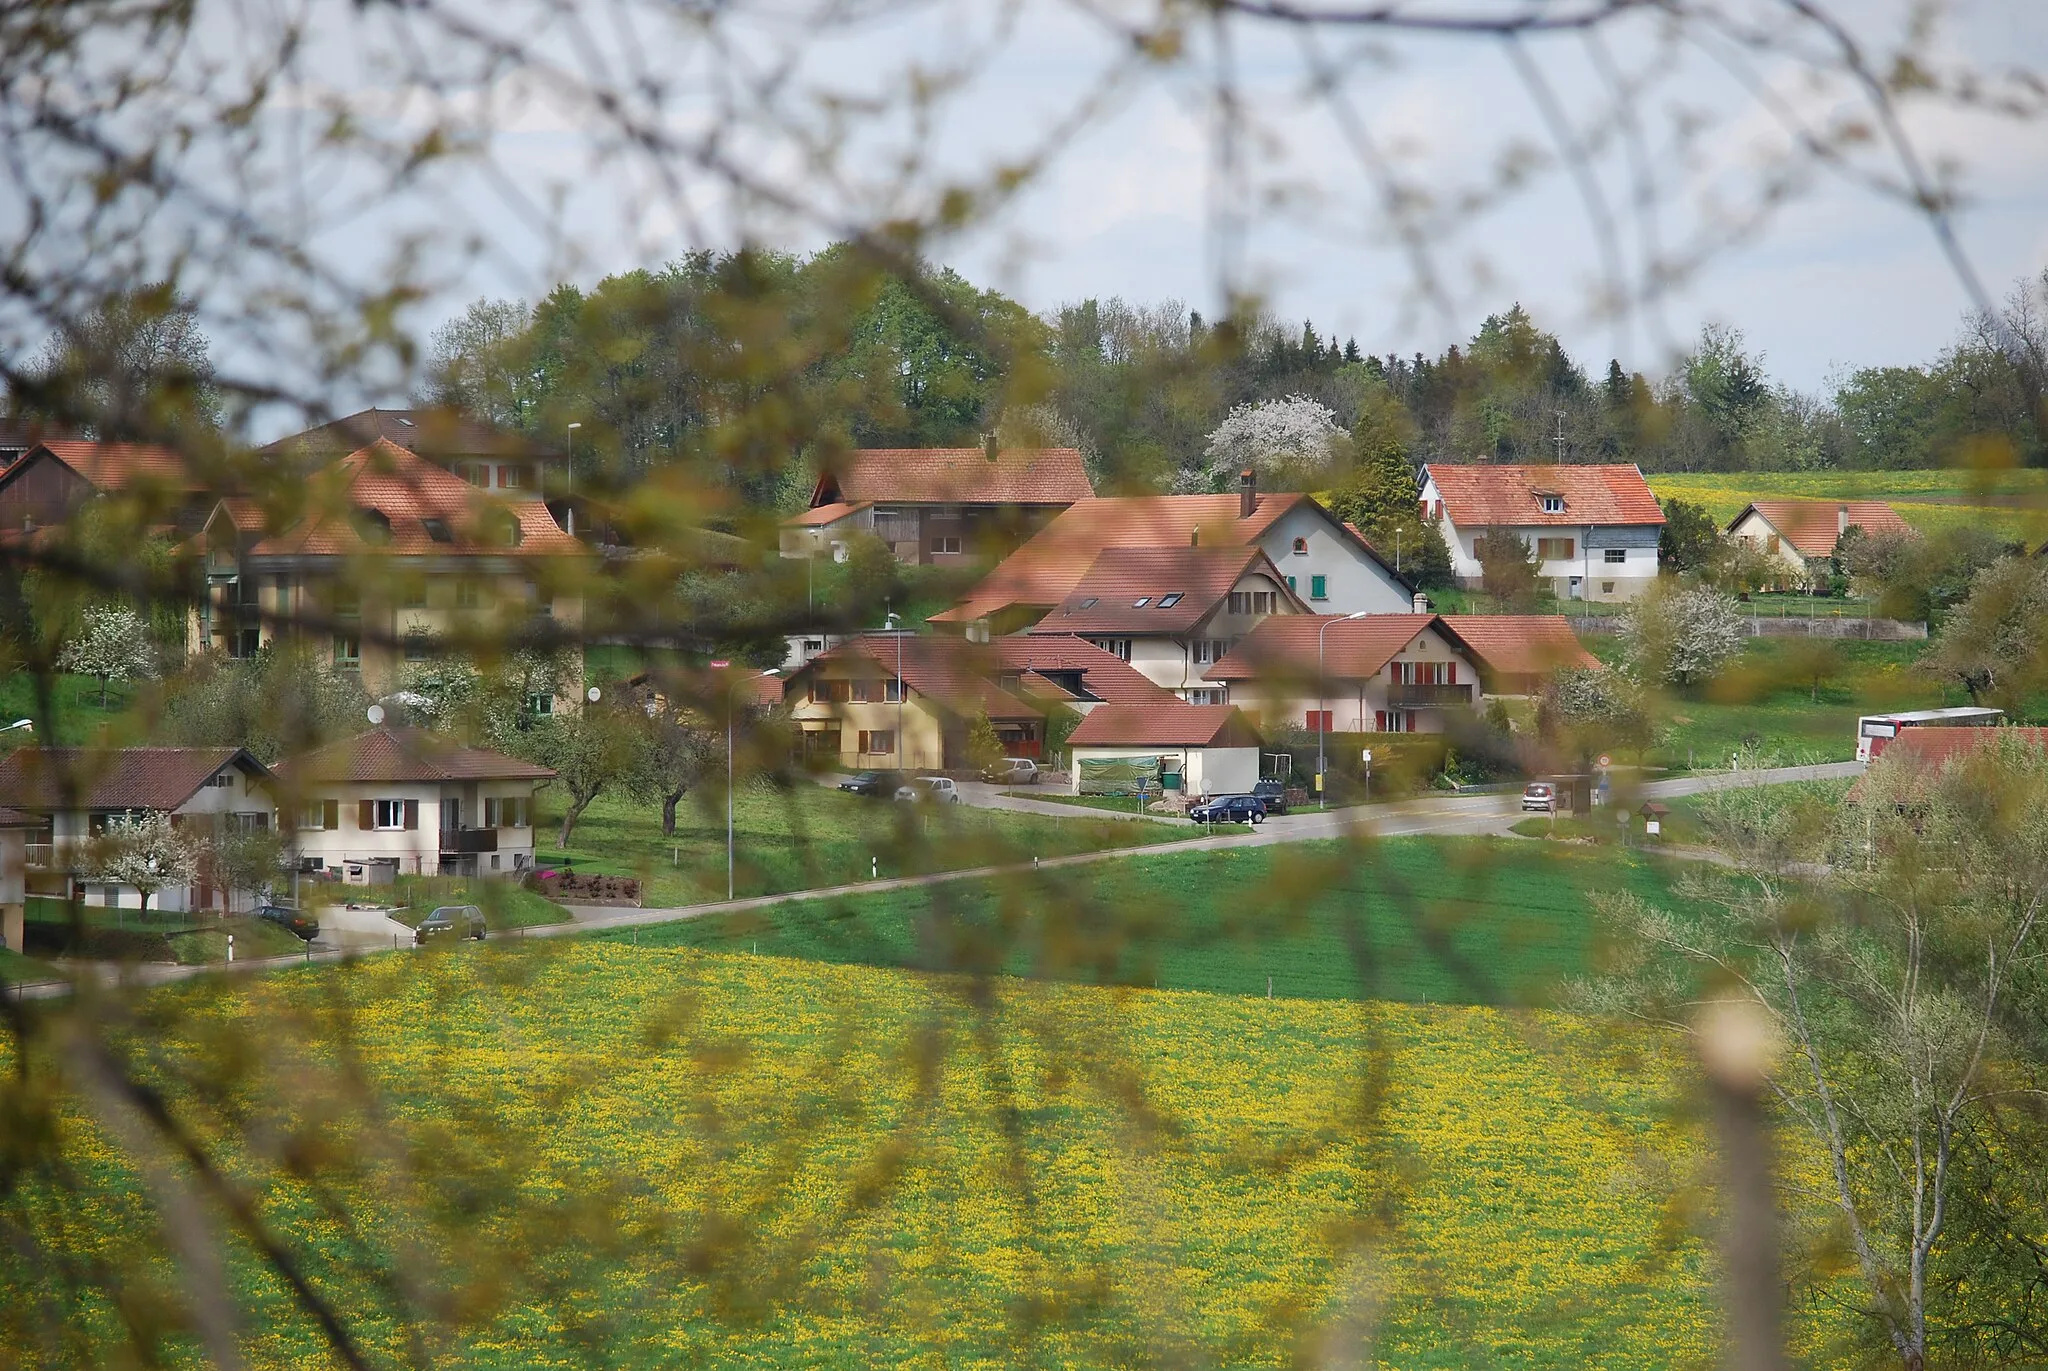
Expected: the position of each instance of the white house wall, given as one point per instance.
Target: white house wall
(1599, 579)
(1205, 771)
(1757, 530)
(1354, 581)
(417, 851)
(1353, 702)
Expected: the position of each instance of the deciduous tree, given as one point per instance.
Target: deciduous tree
(112, 643)
(146, 851)
(1680, 635)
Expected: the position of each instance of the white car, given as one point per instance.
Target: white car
(938, 790)
(1011, 771)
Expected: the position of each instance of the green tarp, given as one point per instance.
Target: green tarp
(1118, 775)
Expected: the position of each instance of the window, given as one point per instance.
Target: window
(1552, 504)
(540, 703)
(1393, 721)
(892, 691)
(1301, 547)
(1207, 650)
(511, 477)
(1256, 601)
(1607, 587)
(248, 590)
(419, 647)
(389, 816)
(945, 547)
(1556, 549)
(1319, 720)
(1614, 556)
(474, 474)
(467, 594)
(320, 816)
(1115, 647)
(437, 530)
(1088, 603)
(1141, 602)
(348, 650)
(1423, 673)
(245, 822)
(1290, 583)
(1170, 600)
(412, 593)
(1318, 587)
(245, 642)
(509, 811)
(860, 692)
(875, 742)
(1212, 695)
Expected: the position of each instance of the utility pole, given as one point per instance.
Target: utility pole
(1559, 439)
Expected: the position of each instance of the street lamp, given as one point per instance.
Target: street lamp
(568, 500)
(889, 626)
(18, 723)
(772, 671)
(1322, 724)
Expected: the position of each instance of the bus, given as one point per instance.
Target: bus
(1875, 731)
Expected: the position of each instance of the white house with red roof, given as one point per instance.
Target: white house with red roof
(1801, 535)
(1385, 673)
(1594, 528)
(938, 506)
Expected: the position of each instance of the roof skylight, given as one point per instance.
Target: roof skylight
(1088, 603)
(1170, 600)
(1141, 602)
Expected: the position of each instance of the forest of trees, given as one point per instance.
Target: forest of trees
(761, 366)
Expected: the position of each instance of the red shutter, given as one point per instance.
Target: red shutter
(1450, 673)
(1379, 721)
(366, 815)
(412, 815)
(330, 814)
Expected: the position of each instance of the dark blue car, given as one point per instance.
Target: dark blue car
(1230, 809)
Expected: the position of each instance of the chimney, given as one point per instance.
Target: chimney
(988, 446)
(1247, 493)
(1841, 520)
(1421, 603)
(1194, 537)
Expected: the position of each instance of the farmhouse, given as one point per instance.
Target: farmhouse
(486, 457)
(1326, 565)
(907, 701)
(54, 479)
(69, 794)
(1801, 535)
(1199, 750)
(1594, 529)
(938, 506)
(403, 800)
(1384, 673)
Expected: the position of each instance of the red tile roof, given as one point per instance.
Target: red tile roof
(408, 490)
(1104, 675)
(1510, 496)
(959, 475)
(1045, 570)
(949, 671)
(405, 754)
(1814, 526)
(14, 818)
(160, 778)
(116, 466)
(1176, 725)
(1521, 644)
(1352, 649)
(1105, 599)
(1924, 751)
(825, 514)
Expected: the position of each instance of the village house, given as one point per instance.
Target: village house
(15, 826)
(1197, 750)
(907, 701)
(1326, 565)
(485, 456)
(1060, 669)
(397, 555)
(1801, 536)
(53, 479)
(1517, 653)
(1173, 612)
(1593, 529)
(403, 801)
(1384, 673)
(70, 793)
(938, 506)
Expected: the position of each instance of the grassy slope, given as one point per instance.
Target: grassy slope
(2014, 502)
(75, 702)
(810, 836)
(1413, 919)
(726, 1163)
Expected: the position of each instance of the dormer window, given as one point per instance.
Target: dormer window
(1552, 504)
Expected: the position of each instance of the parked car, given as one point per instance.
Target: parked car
(1273, 795)
(293, 921)
(1230, 809)
(1540, 796)
(1011, 771)
(874, 784)
(451, 921)
(938, 790)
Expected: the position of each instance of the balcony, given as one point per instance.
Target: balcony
(1429, 696)
(461, 841)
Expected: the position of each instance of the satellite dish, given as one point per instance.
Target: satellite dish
(593, 695)
(376, 713)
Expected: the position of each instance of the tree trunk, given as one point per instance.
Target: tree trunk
(668, 813)
(577, 804)
(103, 708)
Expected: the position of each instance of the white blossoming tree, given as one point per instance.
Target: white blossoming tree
(1294, 437)
(146, 851)
(1681, 635)
(112, 644)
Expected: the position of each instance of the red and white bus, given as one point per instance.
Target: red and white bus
(1875, 731)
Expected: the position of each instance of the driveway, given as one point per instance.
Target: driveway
(360, 930)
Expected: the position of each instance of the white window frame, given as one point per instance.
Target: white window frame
(1614, 556)
(389, 816)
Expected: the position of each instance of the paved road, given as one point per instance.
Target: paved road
(1450, 814)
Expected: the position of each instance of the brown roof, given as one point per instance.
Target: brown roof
(405, 754)
(1351, 649)
(1521, 644)
(1105, 599)
(1926, 750)
(1813, 527)
(14, 818)
(825, 514)
(116, 466)
(1174, 725)
(958, 475)
(434, 433)
(1045, 570)
(1507, 496)
(949, 671)
(1054, 658)
(161, 778)
(408, 491)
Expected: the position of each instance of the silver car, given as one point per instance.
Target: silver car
(938, 790)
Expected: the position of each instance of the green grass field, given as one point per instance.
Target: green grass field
(811, 835)
(1474, 920)
(75, 714)
(2015, 503)
(97, 931)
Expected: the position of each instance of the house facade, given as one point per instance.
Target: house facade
(69, 795)
(1594, 529)
(938, 506)
(1517, 653)
(1386, 673)
(404, 801)
(399, 557)
(1054, 669)
(1800, 536)
(53, 479)
(1198, 750)
(15, 827)
(906, 701)
(1172, 613)
(1326, 565)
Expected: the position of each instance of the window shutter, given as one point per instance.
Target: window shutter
(1450, 673)
(366, 815)
(330, 815)
(412, 815)
(490, 812)
(1379, 721)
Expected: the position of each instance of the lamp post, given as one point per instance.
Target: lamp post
(1322, 728)
(568, 501)
(771, 671)
(889, 624)
(18, 723)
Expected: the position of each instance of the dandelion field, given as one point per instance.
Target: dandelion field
(2013, 502)
(729, 1160)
